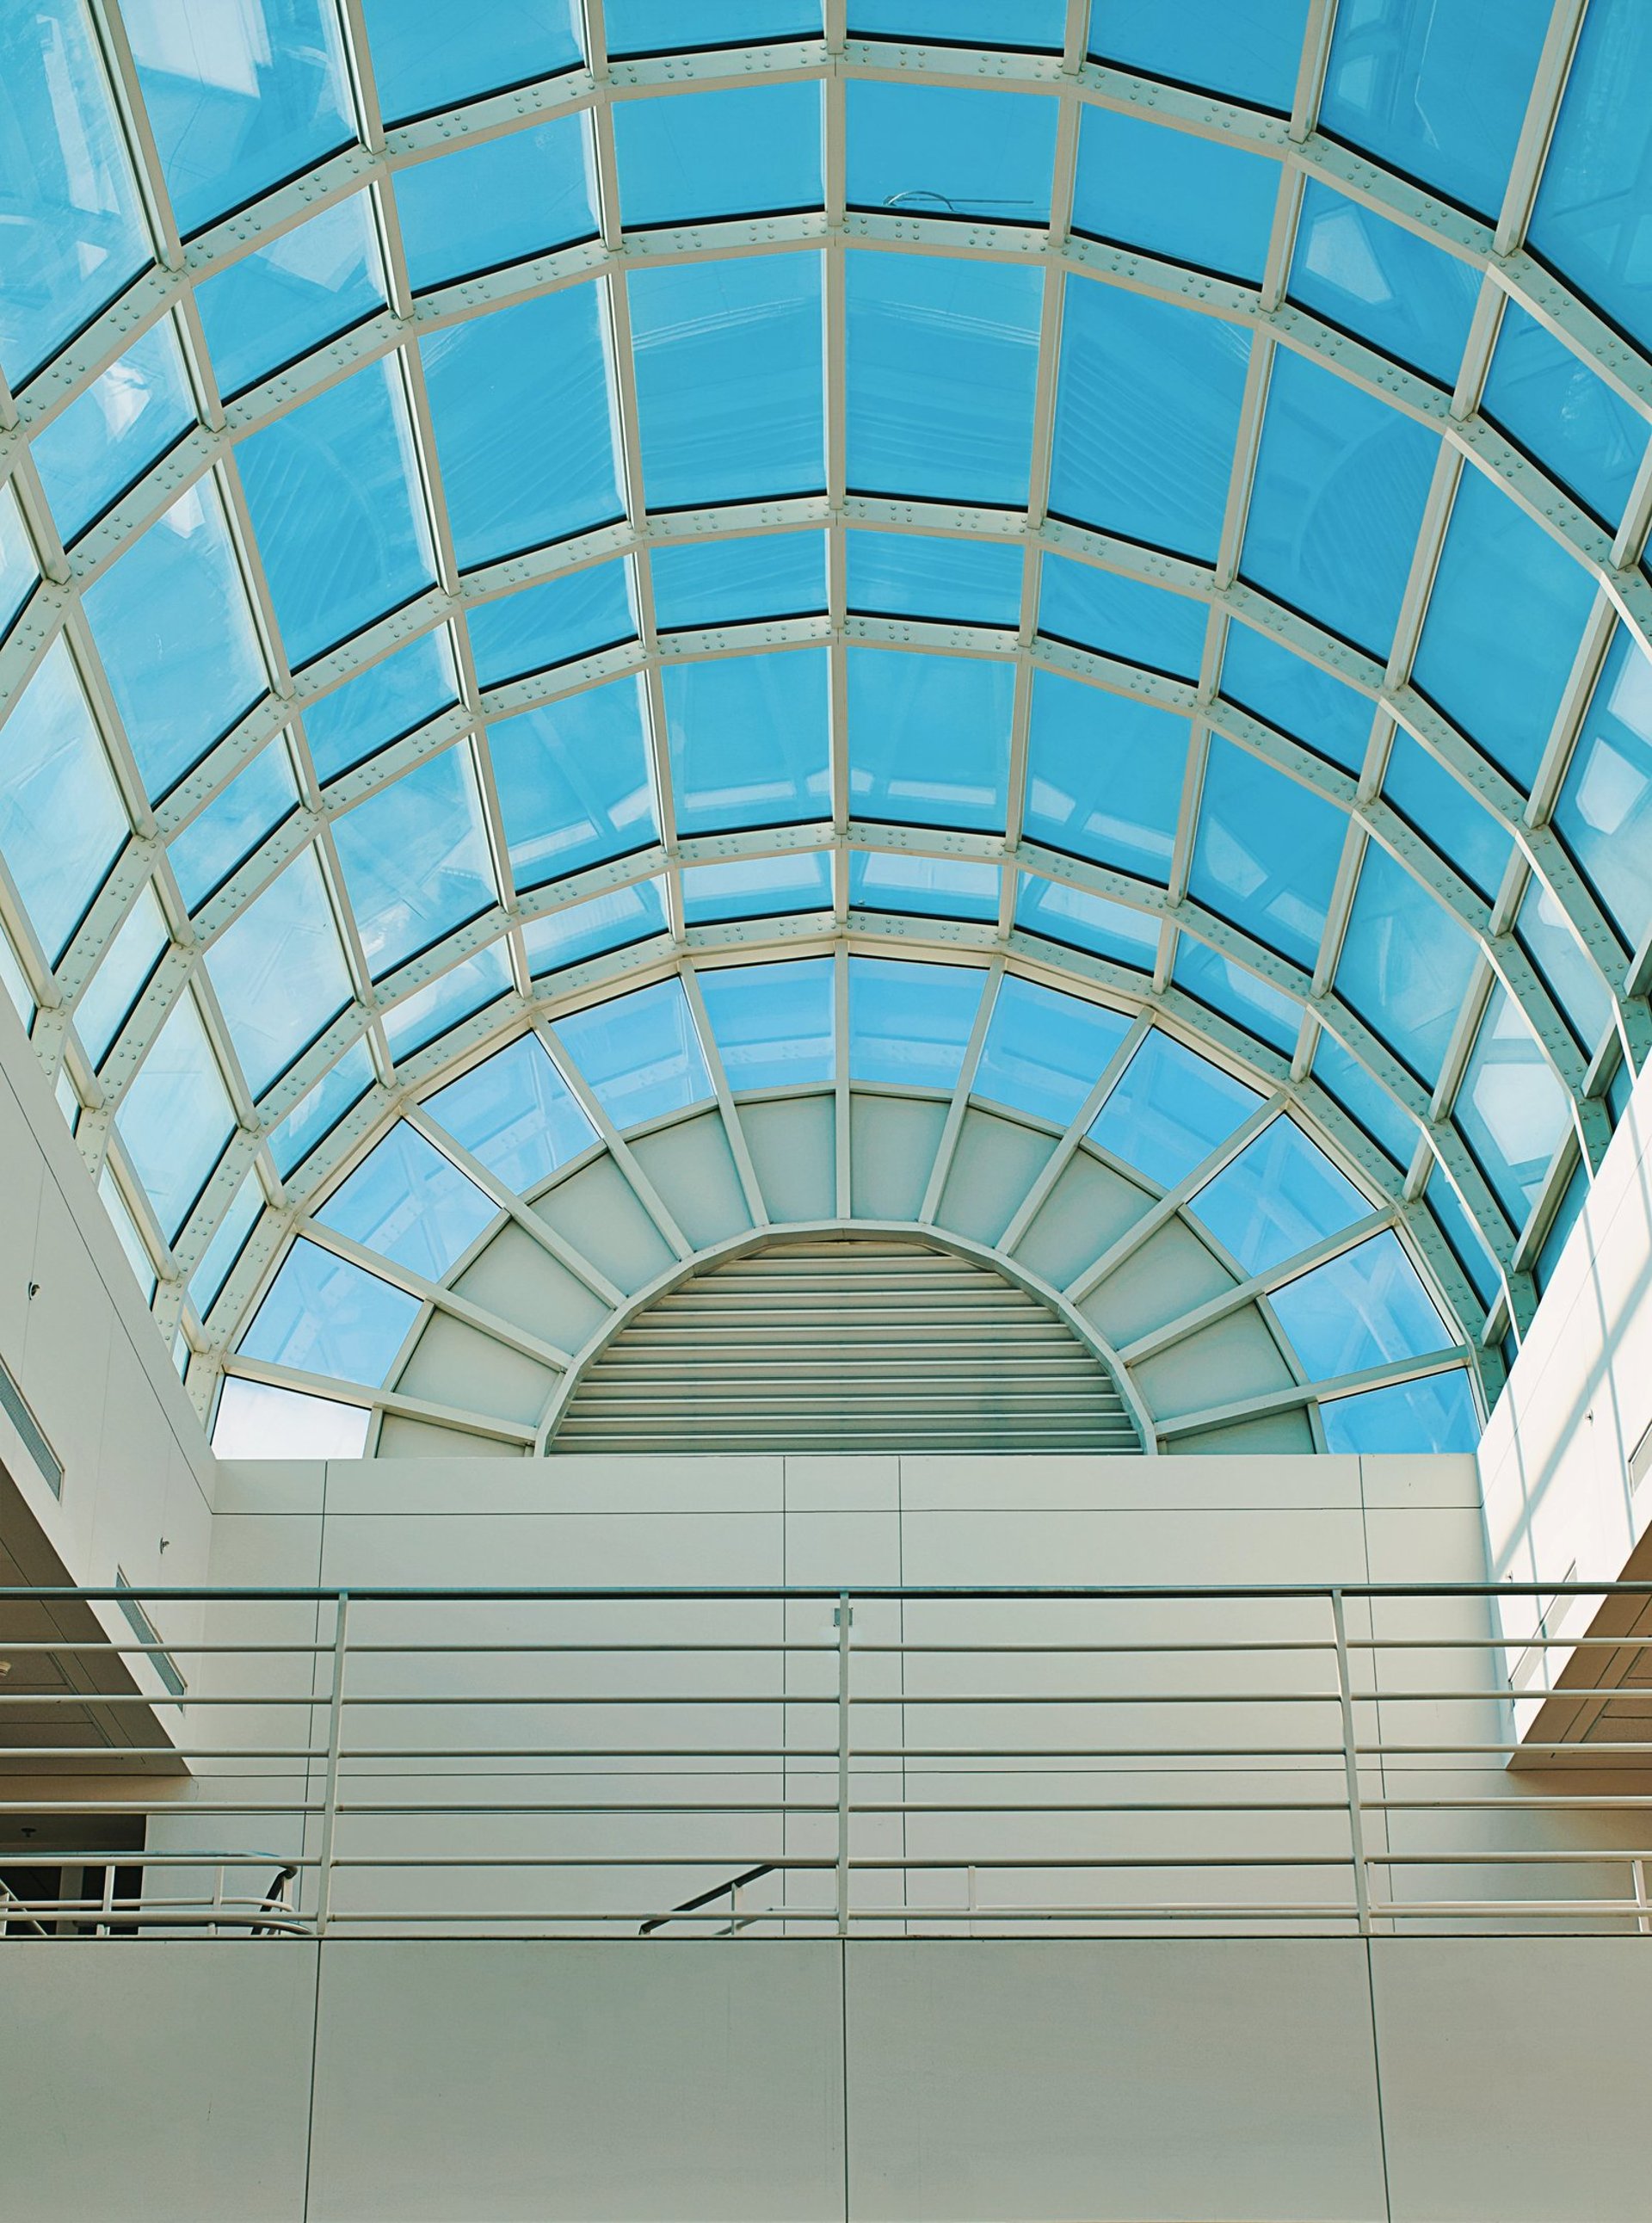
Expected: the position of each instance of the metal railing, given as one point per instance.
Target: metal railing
(879, 1762)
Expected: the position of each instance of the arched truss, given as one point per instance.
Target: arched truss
(1584, 1058)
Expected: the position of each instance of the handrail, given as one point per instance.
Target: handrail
(706, 1898)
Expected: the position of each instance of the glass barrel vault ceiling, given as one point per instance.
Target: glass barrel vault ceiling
(1147, 500)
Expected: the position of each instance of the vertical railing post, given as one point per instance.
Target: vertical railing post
(335, 1731)
(1351, 1768)
(1643, 1917)
(844, 1618)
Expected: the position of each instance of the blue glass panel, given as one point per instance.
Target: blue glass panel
(443, 1002)
(326, 1316)
(1504, 618)
(1618, 1090)
(748, 739)
(752, 151)
(1334, 513)
(1512, 1109)
(1044, 1051)
(520, 405)
(536, 627)
(1287, 692)
(1104, 775)
(1566, 1212)
(728, 359)
(121, 977)
(283, 299)
(1427, 796)
(72, 235)
(239, 99)
(88, 455)
(1434, 1414)
(1590, 217)
(1147, 411)
(1190, 200)
(516, 1115)
(756, 887)
(931, 887)
(1087, 922)
(19, 573)
(126, 1232)
(410, 1204)
(1383, 283)
(1550, 402)
(1364, 1100)
(1280, 1196)
(1247, 49)
(256, 1421)
(574, 782)
(1238, 993)
(415, 858)
(332, 493)
(221, 1253)
(1265, 853)
(664, 26)
(717, 583)
(1171, 1109)
(503, 201)
(1406, 964)
(428, 55)
(232, 824)
(62, 823)
(393, 697)
(1466, 1241)
(640, 1054)
(316, 1113)
(943, 360)
(909, 575)
(613, 921)
(1558, 955)
(908, 1024)
(280, 973)
(1605, 810)
(175, 633)
(1121, 617)
(1362, 1309)
(1033, 26)
(175, 1116)
(940, 151)
(929, 737)
(772, 1023)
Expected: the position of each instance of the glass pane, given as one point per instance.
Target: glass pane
(333, 493)
(326, 1316)
(388, 700)
(62, 823)
(443, 1002)
(1460, 1231)
(1334, 513)
(1365, 1308)
(172, 627)
(1036, 26)
(1434, 1414)
(1604, 809)
(19, 573)
(283, 299)
(748, 739)
(126, 1232)
(640, 1054)
(908, 1024)
(1287, 692)
(613, 921)
(752, 151)
(316, 1113)
(256, 1421)
(88, 455)
(1188, 199)
(756, 887)
(1590, 217)
(175, 1116)
(1280, 1196)
(1573, 1199)
(1429, 798)
(929, 737)
(501, 202)
(1512, 1110)
(1265, 853)
(1170, 1110)
(217, 1261)
(930, 887)
(1554, 406)
(239, 97)
(939, 151)
(1147, 413)
(909, 575)
(943, 359)
(1044, 1051)
(516, 1115)
(538, 628)
(1087, 922)
(1383, 283)
(72, 237)
(280, 973)
(1504, 618)
(1364, 1100)
(772, 1023)
(428, 55)
(1237, 993)
(1406, 964)
(234, 823)
(728, 358)
(520, 403)
(664, 26)
(1554, 949)
(1104, 775)
(1245, 49)
(410, 1204)
(716, 582)
(574, 782)
(1121, 617)
(416, 859)
(121, 977)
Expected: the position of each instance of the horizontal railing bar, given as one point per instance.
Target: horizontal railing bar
(829, 1593)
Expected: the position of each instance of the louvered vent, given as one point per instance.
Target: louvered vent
(845, 1344)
